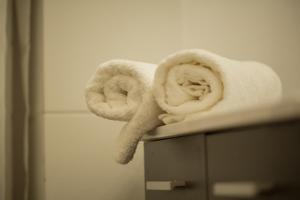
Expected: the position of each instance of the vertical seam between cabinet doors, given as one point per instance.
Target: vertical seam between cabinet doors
(206, 178)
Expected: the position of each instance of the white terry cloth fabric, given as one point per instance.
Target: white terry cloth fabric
(121, 90)
(145, 119)
(194, 83)
(115, 91)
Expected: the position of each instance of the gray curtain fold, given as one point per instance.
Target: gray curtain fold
(18, 65)
(25, 113)
(2, 97)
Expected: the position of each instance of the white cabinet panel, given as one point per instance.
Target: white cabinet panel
(78, 35)
(79, 161)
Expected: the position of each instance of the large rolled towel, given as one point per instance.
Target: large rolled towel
(195, 83)
(115, 91)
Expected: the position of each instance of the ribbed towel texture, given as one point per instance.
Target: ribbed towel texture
(121, 90)
(195, 83)
(116, 90)
(188, 85)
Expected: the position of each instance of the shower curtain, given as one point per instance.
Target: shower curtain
(22, 95)
(2, 97)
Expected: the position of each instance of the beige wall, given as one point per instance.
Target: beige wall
(83, 33)
(261, 30)
(80, 34)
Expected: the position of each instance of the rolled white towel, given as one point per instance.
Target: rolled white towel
(121, 90)
(115, 91)
(195, 83)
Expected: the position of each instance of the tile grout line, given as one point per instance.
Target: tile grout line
(66, 112)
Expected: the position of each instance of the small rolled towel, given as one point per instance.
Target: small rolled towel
(195, 83)
(121, 90)
(115, 91)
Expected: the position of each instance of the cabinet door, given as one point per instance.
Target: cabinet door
(177, 159)
(241, 161)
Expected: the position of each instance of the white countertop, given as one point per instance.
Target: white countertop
(285, 110)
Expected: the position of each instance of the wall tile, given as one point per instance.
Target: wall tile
(267, 31)
(81, 34)
(79, 162)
